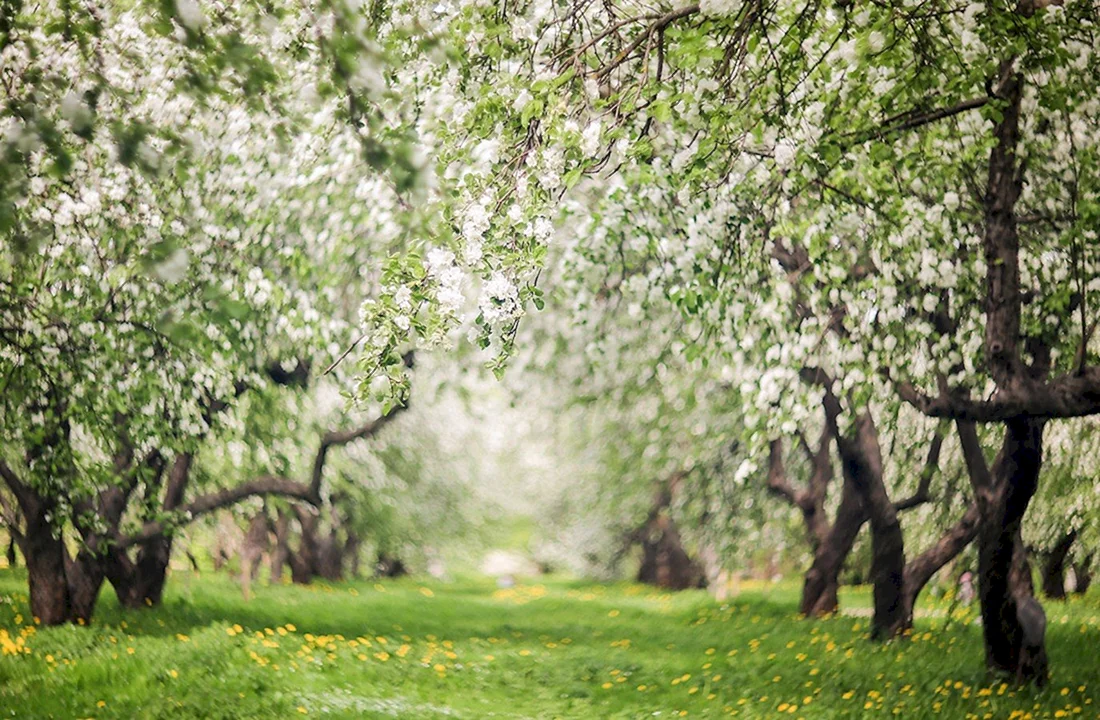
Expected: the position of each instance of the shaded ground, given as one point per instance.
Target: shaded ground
(469, 650)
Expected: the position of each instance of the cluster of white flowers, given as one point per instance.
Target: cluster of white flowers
(499, 301)
(474, 226)
(784, 153)
(449, 280)
(591, 140)
(720, 8)
(550, 167)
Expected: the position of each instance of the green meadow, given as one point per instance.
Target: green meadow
(542, 649)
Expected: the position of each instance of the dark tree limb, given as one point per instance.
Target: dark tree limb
(931, 465)
(778, 482)
(334, 438)
(261, 486)
(21, 491)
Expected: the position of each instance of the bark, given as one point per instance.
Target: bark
(1082, 569)
(861, 460)
(329, 557)
(1054, 568)
(809, 499)
(822, 581)
(151, 572)
(390, 566)
(280, 556)
(303, 564)
(301, 572)
(665, 562)
(258, 487)
(84, 578)
(351, 553)
(1013, 623)
(62, 589)
(314, 556)
(256, 543)
(863, 498)
(45, 557)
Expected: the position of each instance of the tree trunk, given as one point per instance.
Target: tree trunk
(922, 568)
(330, 559)
(1083, 571)
(1054, 569)
(303, 564)
(390, 566)
(1013, 622)
(84, 576)
(45, 557)
(301, 572)
(351, 553)
(822, 581)
(140, 583)
(861, 459)
(665, 562)
(280, 556)
(252, 550)
(62, 589)
(152, 571)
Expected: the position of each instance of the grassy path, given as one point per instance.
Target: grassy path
(467, 650)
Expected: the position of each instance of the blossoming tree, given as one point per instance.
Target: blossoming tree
(186, 220)
(933, 164)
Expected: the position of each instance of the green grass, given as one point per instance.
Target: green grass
(557, 649)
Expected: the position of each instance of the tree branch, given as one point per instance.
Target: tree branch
(931, 464)
(11, 520)
(920, 569)
(914, 119)
(1067, 396)
(343, 437)
(178, 478)
(778, 482)
(981, 478)
(21, 491)
(264, 485)
(658, 24)
(1001, 241)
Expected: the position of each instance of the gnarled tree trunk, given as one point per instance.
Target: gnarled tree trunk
(389, 566)
(351, 551)
(861, 460)
(822, 580)
(280, 555)
(45, 557)
(1082, 570)
(62, 589)
(1013, 622)
(665, 562)
(150, 574)
(1054, 568)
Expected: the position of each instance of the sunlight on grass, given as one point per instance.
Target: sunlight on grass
(549, 649)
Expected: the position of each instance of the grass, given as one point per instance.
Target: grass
(468, 650)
